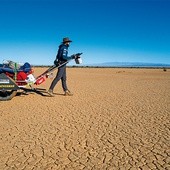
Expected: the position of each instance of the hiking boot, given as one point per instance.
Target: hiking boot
(50, 92)
(68, 93)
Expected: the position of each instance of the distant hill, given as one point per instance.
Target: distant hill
(129, 64)
(117, 64)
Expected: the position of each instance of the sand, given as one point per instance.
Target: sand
(118, 118)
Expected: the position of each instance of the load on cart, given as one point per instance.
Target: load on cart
(15, 77)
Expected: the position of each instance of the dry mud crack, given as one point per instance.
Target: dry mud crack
(117, 119)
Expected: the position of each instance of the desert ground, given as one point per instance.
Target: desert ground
(117, 119)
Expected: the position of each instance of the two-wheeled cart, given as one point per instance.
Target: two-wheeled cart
(15, 78)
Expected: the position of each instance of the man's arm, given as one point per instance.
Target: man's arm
(65, 54)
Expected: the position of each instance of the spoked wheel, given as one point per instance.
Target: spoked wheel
(7, 95)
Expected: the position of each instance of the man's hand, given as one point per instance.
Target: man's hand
(73, 56)
(56, 62)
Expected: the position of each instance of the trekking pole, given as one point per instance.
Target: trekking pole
(15, 71)
(41, 78)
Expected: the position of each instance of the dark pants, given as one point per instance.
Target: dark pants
(61, 74)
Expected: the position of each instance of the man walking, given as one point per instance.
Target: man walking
(61, 58)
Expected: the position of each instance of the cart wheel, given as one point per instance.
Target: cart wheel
(7, 95)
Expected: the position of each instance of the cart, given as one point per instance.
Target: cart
(15, 78)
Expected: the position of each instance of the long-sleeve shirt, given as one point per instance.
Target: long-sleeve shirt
(62, 54)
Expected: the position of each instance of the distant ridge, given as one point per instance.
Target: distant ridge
(118, 64)
(130, 64)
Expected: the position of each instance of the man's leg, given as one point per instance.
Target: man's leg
(63, 79)
(57, 78)
(64, 84)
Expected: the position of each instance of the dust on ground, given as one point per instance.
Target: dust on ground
(118, 118)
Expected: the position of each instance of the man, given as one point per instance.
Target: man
(61, 58)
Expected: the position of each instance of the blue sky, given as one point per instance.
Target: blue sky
(104, 30)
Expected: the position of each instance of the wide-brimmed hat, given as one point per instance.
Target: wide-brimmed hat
(66, 39)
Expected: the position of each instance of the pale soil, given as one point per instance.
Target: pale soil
(116, 119)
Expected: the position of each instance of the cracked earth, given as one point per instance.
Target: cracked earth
(117, 119)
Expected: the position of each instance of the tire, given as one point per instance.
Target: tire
(7, 95)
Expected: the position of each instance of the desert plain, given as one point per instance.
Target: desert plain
(117, 119)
